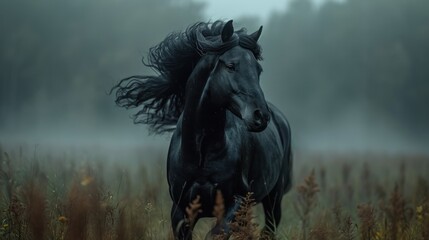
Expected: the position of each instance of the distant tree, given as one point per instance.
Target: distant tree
(367, 53)
(59, 57)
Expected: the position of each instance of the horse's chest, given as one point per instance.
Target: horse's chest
(218, 169)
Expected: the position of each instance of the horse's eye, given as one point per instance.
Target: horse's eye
(230, 66)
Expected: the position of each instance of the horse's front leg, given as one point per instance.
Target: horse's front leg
(182, 226)
(273, 213)
(222, 229)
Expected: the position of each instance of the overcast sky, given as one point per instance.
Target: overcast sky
(226, 9)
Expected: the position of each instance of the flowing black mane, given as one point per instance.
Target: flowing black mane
(162, 96)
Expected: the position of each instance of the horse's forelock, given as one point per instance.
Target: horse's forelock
(249, 43)
(211, 41)
(208, 40)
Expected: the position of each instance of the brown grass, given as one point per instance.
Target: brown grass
(244, 227)
(51, 197)
(367, 226)
(397, 215)
(306, 201)
(35, 207)
(345, 228)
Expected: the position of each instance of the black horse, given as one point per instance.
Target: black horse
(226, 136)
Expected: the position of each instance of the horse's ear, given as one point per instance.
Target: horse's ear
(256, 34)
(227, 31)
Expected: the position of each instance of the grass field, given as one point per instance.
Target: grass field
(95, 194)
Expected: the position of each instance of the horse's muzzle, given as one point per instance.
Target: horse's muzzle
(260, 121)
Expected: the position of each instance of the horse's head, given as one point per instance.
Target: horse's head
(234, 83)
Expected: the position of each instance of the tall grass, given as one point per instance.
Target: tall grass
(83, 196)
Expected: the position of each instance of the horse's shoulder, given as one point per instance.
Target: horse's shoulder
(281, 123)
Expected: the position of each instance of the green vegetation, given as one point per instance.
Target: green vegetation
(81, 195)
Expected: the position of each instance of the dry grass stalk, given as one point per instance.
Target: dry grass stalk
(344, 223)
(139, 215)
(243, 227)
(7, 176)
(396, 213)
(321, 230)
(85, 212)
(402, 173)
(121, 228)
(193, 210)
(422, 215)
(347, 229)
(14, 220)
(219, 207)
(35, 201)
(421, 191)
(307, 199)
(338, 213)
(346, 170)
(367, 227)
(77, 213)
(219, 214)
(323, 178)
(366, 180)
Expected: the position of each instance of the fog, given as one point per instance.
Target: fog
(349, 75)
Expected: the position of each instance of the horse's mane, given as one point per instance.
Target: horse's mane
(173, 60)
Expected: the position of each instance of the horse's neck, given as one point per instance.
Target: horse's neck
(210, 120)
(201, 119)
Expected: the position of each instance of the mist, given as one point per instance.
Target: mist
(350, 75)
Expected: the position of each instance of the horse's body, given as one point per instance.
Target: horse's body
(243, 162)
(227, 137)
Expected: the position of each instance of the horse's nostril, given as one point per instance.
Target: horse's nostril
(258, 115)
